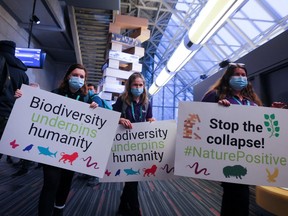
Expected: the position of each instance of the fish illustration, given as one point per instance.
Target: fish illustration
(28, 148)
(14, 144)
(131, 171)
(118, 172)
(46, 151)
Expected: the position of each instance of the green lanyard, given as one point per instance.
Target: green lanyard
(239, 102)
(133, 112)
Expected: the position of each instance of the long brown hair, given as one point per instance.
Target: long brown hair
(64, 86)
(223, 88)
(127, 95)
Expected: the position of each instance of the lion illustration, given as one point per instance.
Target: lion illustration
(149, 171)
(69, 158)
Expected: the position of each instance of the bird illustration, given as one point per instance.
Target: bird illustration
(14, 144)
(118, 172)
(28, 148)
(272, 177)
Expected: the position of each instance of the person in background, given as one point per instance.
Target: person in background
(11, 88)
(92, 180)
(234, 88)
(94, 96)
(57, 181)
(92, 88)
(136, 99)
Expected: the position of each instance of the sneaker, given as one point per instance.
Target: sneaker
(20, 172)
(39, 165)
(135, 212)
(58, 212)
(18, 164)
(93, 182)
(123, 210)
(9, 160)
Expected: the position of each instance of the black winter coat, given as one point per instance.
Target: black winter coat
(18, 77)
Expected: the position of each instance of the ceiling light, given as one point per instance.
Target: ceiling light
(35, 19)
(210, 18)
(154, 89)
(163, 77)
(183, 53)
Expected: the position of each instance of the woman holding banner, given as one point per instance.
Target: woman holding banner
(233, 88)
(57, 181)
(134, 107)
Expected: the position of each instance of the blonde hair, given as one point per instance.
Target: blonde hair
(127, 95)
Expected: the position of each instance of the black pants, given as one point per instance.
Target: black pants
(56, 187)
(3, 122)
(129, 198)
(235, 199)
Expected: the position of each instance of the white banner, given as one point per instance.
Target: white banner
(241, 144)
(145, 152)
(59, 131)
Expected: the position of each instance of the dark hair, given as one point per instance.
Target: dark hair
(65, 83)
(90, 84)
(223, 88)
(127, 95)
(7, 46)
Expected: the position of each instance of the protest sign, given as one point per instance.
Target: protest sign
(59, 131)
(241, 144)
(145, 152)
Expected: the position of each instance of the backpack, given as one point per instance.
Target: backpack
(125, 105)
(106, 105)
(4, 74)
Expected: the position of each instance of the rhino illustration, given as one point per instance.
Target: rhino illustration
(234, 171)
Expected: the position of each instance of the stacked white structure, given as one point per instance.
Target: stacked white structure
(122, 54)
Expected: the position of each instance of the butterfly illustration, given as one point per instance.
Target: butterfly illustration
(14, 144)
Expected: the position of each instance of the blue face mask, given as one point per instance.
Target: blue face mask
(91, 92)
(76, 82)
(136, 91)
(238, 82)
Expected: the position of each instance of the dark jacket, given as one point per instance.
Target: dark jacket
(118, 106)
(76, 96)
(18, 77)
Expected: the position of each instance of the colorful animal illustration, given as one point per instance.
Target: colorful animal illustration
(46, 151)
(167, 169)
(118, 172)
(14, 144)
(131, 172)
(272, 177)
(235, 171)
(151, 170)
(107, 172)
(198, 171)
(189, 123)
(68, 157)
(89, 164)
(28, 148)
